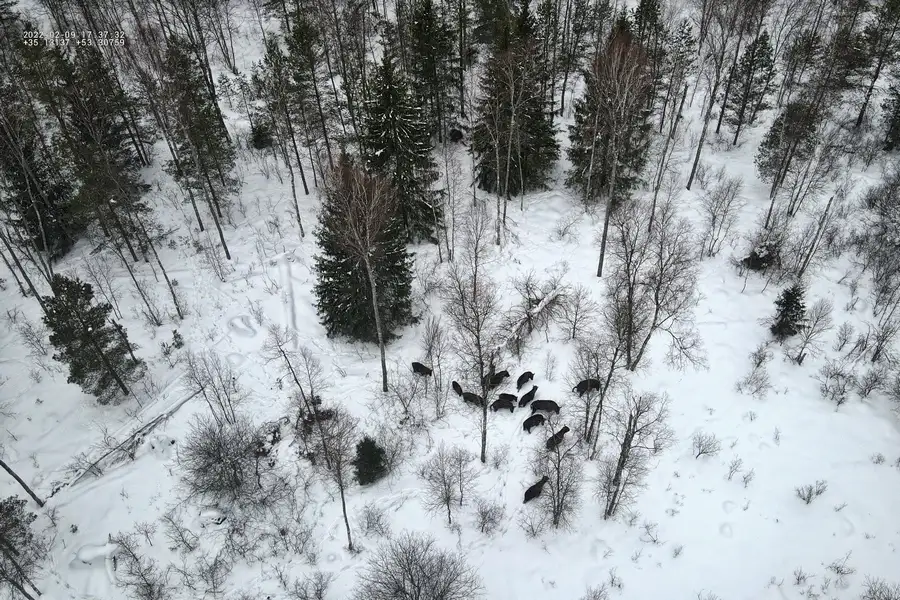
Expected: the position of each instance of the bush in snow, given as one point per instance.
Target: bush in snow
(369, 464)
(808, 493)
(140, 576)
(373, 520)
(790, 313)
(597, 592)
(311, 587)
(835, 382)
(413, 566)
(705, 444)
(489, 515)
(879, 589)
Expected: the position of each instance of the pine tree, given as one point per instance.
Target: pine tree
(22, 550)
(432, 57)
(369, 463)
(343, 291)
(751, 84)
(514, 141)
(199, 134)
(611, 119)
(881, 45)
(96, 350)
(397, 145)
(791, 136)
(790, 313)
(891, 107)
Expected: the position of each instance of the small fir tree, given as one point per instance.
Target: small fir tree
(369, 463)
(397, 145)
(790, 313)
(343, 291)
(96, 350)
(752, 84)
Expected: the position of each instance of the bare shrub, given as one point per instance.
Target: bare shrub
(597, 592)
(213, 258)
(578, 313)
(396, 444)
(598, 357)
(488, 515)
(808, 492)
(447, 477)
(373, 521)
(436, 349)
(563, 229)
(800, 576)
(756, 383)
(748, 477)
(734, 467)
(879, 589)
(560, 497)
(835, 382)
(538, 304)
(406, 392)
(872, 380)
(844, 335)
(817, 324)
(841, 569)
(138, 575)
(500, 456)
(705, 444)
(180, 537)
(720, 208)
(214, 378)
(213, 572)
(313, 586)
(533, 523)
(33, 336)
(413, 566)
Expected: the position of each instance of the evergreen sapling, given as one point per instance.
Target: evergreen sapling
(369, 463)
(790, 313)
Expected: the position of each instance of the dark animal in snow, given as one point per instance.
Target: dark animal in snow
(535, 490)
(523, 379)
(511, 397)
(586, 386)
(420, 369)
(545, 405)
(526, 398)
(498, 378)
(456, 135)
(311, 418)
(503, 403)
(473, 398)
(557, 438)
(532, 422)
(456, 388)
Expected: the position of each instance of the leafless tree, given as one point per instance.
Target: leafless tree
(364, 206)
(818, 323)
(640, 432)
(705, 444)
(623, 78)
(100, 273)
(560, 496)
(472, 305)
(138, 574)
(341, 434)
(538, 304)
(214, 377)
(413, 567)
(406, 392)
(653, 286)
(721, 208)
(489, 515)
(577, 313)
(436, 347)
(447, 477)
(599, 357)
(879, 589)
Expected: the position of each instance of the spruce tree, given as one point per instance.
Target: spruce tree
(96, 350)
(790, 313)
(432, 56)
(369, 463)
(22, 549)
(514, 141)
(397, 145)
(751, 84)
(791, 136)
(343, 291)
(891, 107)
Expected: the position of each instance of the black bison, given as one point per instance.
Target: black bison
(456, 135)
(535, 490)
(586, 386)
(495, 379)
(557, 438)
(420, 369)
(523, 379)
(456, 388)
(511, 397)
(526, 398)
(532, 422)
(472, 398)
(503, 403)
(545, 405)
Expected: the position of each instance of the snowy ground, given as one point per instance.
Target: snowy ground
(737, 541)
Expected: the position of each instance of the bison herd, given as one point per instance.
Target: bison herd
(507, 401)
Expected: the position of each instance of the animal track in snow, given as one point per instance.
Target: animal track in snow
(236, 360)
(241, 326)
(728, 506)
(725, 530)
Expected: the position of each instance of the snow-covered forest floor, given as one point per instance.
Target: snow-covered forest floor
(692, 529)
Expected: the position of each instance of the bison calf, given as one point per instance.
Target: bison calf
(420, 369)
(456, 388)
(535, 490)
(557, 438)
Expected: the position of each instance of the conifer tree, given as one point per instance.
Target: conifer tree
(369, 463)
(349, 267)
(97, 351)
(22, 547)
(432, 57)
(514, 140)
(751, 84)
(881, 44)
(891, 107)
(397, 145)
(199, 135)
(790, 313)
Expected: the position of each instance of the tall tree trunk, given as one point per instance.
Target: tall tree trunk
(378, 326)
(24, 485)
(22, 271)
(609, 205)
(706, 118)
(163, 269)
